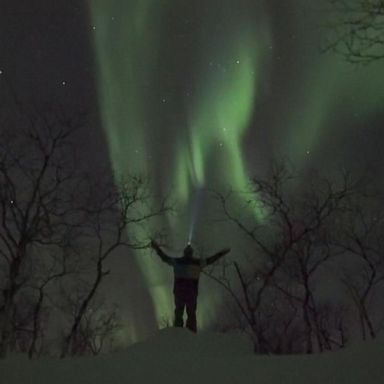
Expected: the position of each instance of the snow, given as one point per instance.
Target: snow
(179, 356)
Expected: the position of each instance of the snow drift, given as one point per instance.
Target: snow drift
(179, 356)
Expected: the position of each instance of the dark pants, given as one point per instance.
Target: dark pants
(185, 291)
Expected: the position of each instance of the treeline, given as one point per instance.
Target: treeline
(59, 225)
(312, 279)
(313, 276)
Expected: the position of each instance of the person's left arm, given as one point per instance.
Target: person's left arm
(217, 256)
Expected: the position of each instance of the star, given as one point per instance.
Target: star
(64, 83)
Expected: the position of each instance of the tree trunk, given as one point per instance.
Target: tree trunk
(365, 317)
(83, 308)
(36, 325)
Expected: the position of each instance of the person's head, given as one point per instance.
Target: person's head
(188, 251)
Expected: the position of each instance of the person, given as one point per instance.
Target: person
(186, 281)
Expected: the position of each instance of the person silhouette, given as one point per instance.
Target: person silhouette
(186, 281)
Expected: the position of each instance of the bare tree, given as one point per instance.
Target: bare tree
(300, 269)
(97, 328)
(56, 219)
(36, 179)
(290, 235)
(334, 327)
(113, 218)
(355, 29)
(48, 273)
(363, 276)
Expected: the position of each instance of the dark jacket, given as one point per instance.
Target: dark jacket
(188, 267)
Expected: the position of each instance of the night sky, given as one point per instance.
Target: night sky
(197, 94)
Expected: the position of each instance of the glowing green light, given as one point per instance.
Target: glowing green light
(326, 87)
(223, 108)
(205, 149)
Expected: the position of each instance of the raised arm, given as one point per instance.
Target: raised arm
(167, 259)
(217, 256)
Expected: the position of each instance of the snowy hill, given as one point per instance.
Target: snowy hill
(178, 356)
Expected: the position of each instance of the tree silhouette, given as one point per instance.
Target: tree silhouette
(37, 179)
(355, 30)
(275, 288)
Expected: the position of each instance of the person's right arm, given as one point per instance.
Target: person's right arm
(167, 259)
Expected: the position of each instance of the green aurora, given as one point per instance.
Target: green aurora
(180, 86)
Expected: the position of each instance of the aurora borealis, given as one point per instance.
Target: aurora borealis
(202, 113)
(197, 95)
(182, 86)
